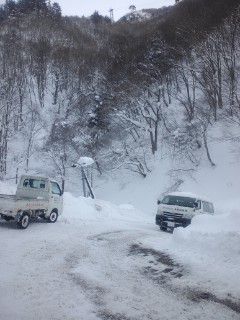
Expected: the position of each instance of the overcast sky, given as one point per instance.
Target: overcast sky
(87, 7)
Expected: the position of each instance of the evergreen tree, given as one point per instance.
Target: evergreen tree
(56, 9)
(2, 14)
(96, 18)
(10, 7)
(26, 6)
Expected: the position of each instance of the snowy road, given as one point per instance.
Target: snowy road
(97, 269)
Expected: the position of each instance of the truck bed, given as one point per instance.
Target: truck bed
(7, 202)
(11, 204)
(7, 196)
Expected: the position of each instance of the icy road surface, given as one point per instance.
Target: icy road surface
(96, 266)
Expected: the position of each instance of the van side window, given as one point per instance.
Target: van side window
(208, 207)
(34, 184)
(55, 188)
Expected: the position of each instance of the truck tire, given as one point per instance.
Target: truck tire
(53, 217)
(23, 221)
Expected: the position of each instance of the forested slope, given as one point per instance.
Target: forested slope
(119, 92)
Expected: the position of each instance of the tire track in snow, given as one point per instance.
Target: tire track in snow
(125, 288)
(169, 269)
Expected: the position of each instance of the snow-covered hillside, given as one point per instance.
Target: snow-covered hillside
(219, 183)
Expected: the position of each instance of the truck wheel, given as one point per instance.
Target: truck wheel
(53, 217)
(24, 221)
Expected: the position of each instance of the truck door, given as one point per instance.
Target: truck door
(56, 197)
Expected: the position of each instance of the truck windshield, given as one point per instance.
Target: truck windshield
(179, 201)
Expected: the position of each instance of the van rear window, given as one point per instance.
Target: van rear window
(34, 183)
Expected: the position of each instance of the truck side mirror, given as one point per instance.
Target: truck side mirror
(159, 202)
(196, 205)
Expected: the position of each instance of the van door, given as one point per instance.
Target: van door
(56, 197)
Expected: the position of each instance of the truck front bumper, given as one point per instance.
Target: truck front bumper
(162, 221)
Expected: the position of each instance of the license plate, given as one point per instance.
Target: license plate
(170, 224)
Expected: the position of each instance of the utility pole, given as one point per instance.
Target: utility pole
(87, 178)
(111, 15)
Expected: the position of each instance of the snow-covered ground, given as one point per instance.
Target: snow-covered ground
(105, 261)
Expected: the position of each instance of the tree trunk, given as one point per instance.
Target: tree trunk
(207, 150)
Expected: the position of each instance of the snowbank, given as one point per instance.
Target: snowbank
(87, 209)
(212, 224)
(209, 249)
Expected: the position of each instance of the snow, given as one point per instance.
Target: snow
(85, 266)
(110, 261)
(209, 248)
(81, 209)
(85, 162)
(188, 194)
(219, 185)
(139, 15)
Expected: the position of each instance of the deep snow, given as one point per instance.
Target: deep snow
(104, 261)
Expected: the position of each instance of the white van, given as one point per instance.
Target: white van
(177, 209)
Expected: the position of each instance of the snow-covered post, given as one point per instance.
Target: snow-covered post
(16, 179)
(85, 162)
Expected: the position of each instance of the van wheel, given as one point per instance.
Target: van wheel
(163, 228)
(53, 217)
(24, 221)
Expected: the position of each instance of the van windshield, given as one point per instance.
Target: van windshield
(179, 201)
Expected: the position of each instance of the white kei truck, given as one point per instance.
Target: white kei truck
(35, 197)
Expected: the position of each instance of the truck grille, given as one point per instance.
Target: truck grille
(171, 215)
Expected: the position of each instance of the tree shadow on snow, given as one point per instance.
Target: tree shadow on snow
(8, 224)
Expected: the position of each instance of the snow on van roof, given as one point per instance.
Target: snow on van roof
(189, 195)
